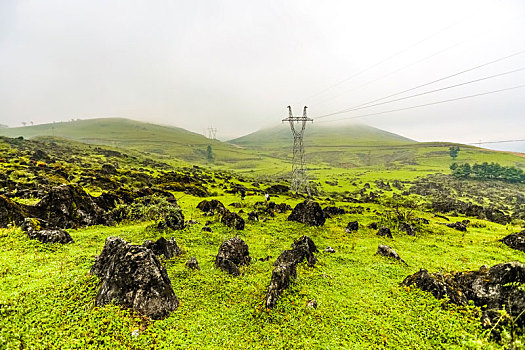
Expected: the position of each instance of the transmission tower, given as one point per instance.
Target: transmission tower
(212, 133)
(297, 124)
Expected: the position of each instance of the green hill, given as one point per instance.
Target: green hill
(319, 136)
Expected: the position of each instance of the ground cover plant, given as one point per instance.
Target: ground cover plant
(47, 294)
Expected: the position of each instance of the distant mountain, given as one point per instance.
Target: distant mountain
(319, 136)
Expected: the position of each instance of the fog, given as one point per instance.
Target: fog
(235, 65)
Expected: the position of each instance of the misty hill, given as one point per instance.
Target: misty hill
(320, 135)
(167, 142)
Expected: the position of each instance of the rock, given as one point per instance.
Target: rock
(174, 220)
(373, 226)
(352, 226)
(329, 250)
(387, 251)
(11, 212)
(408, 228)
(108, 169)
(206, 229)
(309, 213)
(35, 229)
(132, 276)
(210, 207)
(277, 189)
(385, 232)
(332, 211)
(233, 220)
(168, 248)
(193, 264)
(69, 206)
(489, 288)
(253, 216)
(286, 267)
(515, 240)
(232, 254)
(282, 208)
(459, 225)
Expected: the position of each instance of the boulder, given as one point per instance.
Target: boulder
(193, 264)
(233, 220)
(132, 276)
(459, 225)
(286, 267)
(332, 211)
(69, 206)
(168, 248)
(373, 225)
(36, 229)
(210, 207)
(206, 229)
(232, 254)
(384, 232)
(515, 240)
(11, 212)
(387, 251)
(352, 226)
(253, 216)
(282, 208)
(309, 213)
(329, 250)
(492, 289)
(173, 220)
(277, 189)
(408, 228)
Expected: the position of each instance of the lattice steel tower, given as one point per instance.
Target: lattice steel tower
(299, 181)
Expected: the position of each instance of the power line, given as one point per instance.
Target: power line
(367, 105)
(501, 141)
(428, 104)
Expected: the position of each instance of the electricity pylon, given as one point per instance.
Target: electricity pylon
(212, 133)
(299, 181)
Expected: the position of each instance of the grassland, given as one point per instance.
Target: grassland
(47, 294)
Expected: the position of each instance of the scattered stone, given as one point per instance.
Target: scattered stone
(193, 264)
(373, 226)
(168, 248)
(423, 221)
(35, 230)
(232, 254)
(277, 189)
(265, 259)
(489, 288)
(515, 240)
(309, 213)
(352, 226)
(109, 169)
(212, 206)
(233, 220)
(332, 211)
(384, 232)
(253, 216)
(286, 267)
(441, 217)
(408, 228)
(11, 212)
(133, 277)
(206, 229)
(329, 250)
(387, 251)
(459, 225)
(282, 208)
(312, 304)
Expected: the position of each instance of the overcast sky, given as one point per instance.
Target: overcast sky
(236, 65)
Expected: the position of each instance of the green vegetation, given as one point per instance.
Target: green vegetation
(47, 294)
(486, 171)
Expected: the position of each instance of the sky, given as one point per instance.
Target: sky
(236, 65)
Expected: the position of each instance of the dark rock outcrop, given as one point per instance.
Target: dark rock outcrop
(489, 288)
(332, 211)
(408, 228)
(459, 225)
(277, 189)
(173, 220)
(233, 220)
(352, 226)
(387, 251)
(515, 240)
(11, 212)
(211, 207)
(232, 254)
(132, 276)
(36, 230)
(384, 232)
(286, 267)
(168, 248)
(69, 206)
(193, 263)
(309, 213)
(253, 216)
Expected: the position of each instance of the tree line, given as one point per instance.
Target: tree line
(488, 171)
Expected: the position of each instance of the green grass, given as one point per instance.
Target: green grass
(47, 294)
